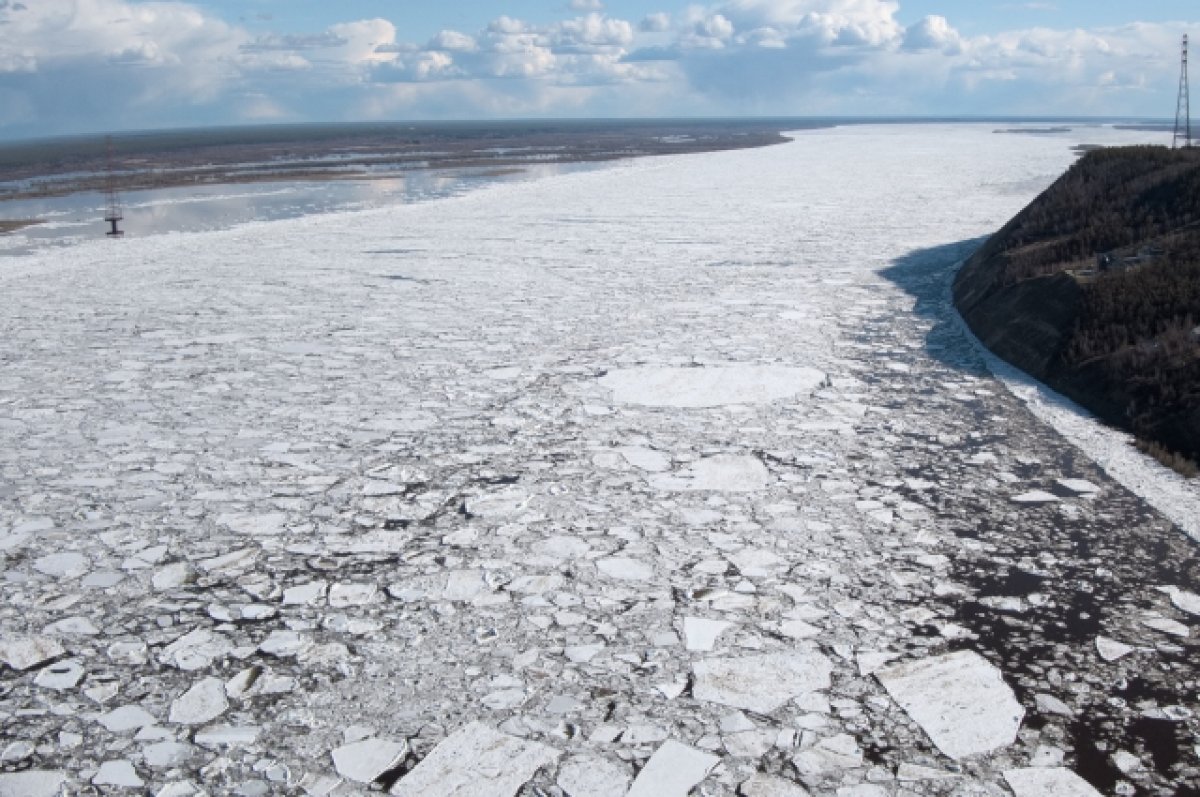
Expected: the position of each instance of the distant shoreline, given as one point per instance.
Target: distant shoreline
(35, 170)
(7, 226)
(62, 166)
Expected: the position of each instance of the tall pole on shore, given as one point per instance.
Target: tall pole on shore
(1183, 111)
(112, 213)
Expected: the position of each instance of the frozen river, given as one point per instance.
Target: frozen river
(674, 474)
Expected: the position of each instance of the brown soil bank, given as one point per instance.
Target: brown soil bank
(1095, 290)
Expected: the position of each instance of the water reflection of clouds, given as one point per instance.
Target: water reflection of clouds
(196, 208)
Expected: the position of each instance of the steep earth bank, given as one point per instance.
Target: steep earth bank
(1094, 289)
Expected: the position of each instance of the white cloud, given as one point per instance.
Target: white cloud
(933, 33)
(870, 22)
(655, 23)
(176, 64)
(453, 41)
(592, 31)
(586, 5)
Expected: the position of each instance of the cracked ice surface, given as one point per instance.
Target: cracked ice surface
(638, 476)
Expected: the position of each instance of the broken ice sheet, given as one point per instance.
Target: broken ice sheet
(960, 700)
(761, 683)
(476, 761)
(710, 386)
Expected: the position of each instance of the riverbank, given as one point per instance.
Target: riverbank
(13, 225)
(1094, 289)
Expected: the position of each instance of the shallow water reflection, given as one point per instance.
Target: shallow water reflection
(77, 217)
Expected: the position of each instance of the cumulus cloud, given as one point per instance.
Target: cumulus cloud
(453, 41)
(591, 32)
(176, 64)
(933, 33)
(870, 22)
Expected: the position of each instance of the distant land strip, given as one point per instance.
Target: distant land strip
(58, 167)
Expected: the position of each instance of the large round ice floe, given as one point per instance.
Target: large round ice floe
(709, 386)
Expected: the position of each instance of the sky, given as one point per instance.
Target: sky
(80, 66)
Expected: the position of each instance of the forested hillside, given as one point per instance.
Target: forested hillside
(1095, 289)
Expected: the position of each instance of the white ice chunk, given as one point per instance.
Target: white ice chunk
(68, 564)
(195, 650)
(757, 562)
(61, 675)
(463, 585)
(32, 783)
(305, 594)
(204, 702)
(283, 643)
(172, 576)
(343, 595)
(673, 771)
(1040, 782)
(1111, 649)
(761, 683)
(623, 568)
(1167, 626)
(367, 759)
(646, 459)
(1035, 497)
(228, 735)
(592, 777)
(960, 700)
(701, 634)
(761, 785)
(126, 718)
(163, 755)
(711, 386)
(266, 525)
(721, 473)
(1183, 600)
(24, 653)
(476, 761)
(1079, 486)
(117, 773)
(511, 501)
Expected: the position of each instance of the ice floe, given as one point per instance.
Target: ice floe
(761, 683)
(476, 761)
(960, 700)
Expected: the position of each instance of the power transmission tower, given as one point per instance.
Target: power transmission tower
(112, 199)
(1183, 111)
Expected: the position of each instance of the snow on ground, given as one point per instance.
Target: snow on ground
(677, 475)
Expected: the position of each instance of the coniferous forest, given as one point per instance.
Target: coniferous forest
(1095, 289)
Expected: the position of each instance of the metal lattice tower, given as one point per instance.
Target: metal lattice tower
(112, 212)
(1183, 111)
